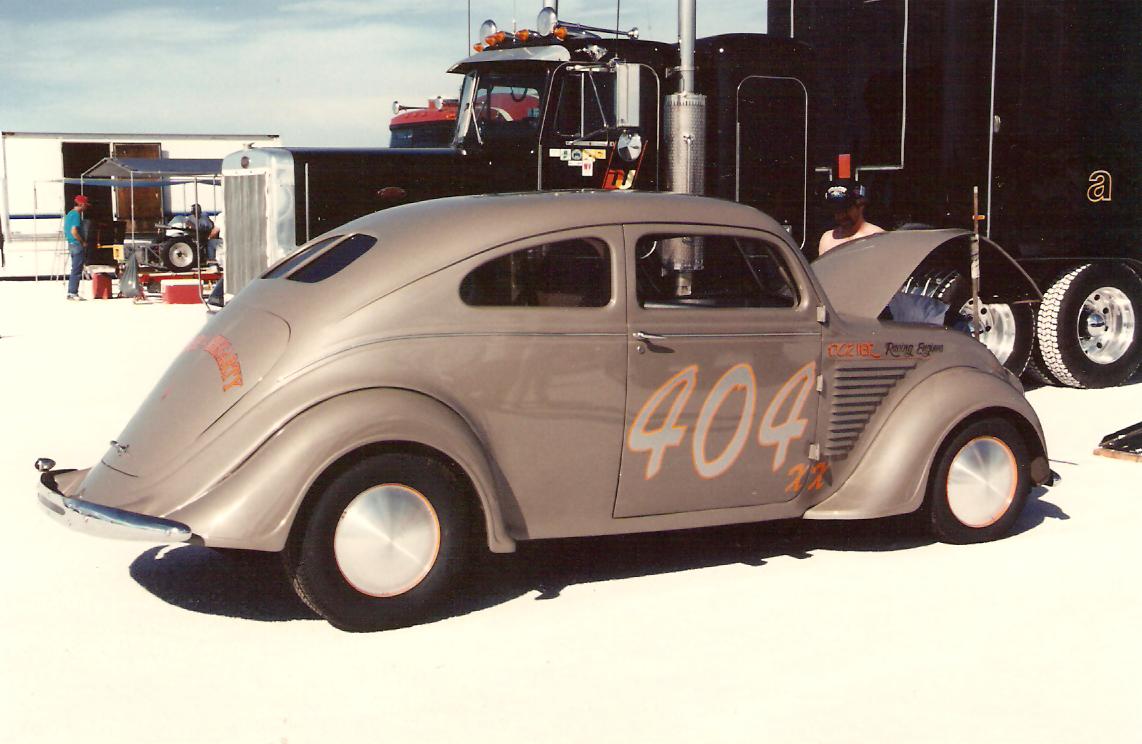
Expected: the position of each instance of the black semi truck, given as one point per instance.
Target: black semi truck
(1036, 102)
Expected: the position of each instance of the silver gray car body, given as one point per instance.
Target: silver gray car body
(560, 420)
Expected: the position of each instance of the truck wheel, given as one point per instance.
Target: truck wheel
(178, 254)
(1037, 369)
(1088, 328)
(385, 541)
(979, 483)
(1008, 331)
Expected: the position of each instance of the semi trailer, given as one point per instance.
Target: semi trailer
(1036, 103)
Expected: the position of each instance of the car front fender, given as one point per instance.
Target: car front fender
(254, 507)
(892, 477)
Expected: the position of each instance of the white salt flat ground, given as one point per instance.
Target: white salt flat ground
(809, 633)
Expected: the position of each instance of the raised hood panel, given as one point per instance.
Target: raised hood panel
(861, 277)
(215, 370)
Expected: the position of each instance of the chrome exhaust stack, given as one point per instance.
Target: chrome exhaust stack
(684, 121)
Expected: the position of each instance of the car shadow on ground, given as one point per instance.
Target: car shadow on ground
(253, 586)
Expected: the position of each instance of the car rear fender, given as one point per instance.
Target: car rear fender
(893, 474)
(255, 507)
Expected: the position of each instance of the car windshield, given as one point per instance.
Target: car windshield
(497, 105)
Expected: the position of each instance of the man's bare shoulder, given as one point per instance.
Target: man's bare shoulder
(826, 242)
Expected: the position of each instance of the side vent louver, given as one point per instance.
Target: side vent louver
(856, 393)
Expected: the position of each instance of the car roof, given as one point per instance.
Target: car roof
(462, 226)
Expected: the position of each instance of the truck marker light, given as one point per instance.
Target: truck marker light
(478, 47)
(844, 167)
(523, 34)
(560, 33)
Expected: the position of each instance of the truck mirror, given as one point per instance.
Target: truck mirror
(627, 97)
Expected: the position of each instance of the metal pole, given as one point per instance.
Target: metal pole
(975, 218)
(36, 228)
(687, 25)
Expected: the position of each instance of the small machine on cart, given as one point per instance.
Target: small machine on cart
(152, 243)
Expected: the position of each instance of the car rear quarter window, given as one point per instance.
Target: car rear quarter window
(320, 261)
(329, 262)
(715, 271)
(567, 273)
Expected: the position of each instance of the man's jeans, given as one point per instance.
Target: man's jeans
(76, 252)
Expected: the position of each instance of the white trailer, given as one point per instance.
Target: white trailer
(41, 172)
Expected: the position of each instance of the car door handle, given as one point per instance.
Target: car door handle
(641, 336)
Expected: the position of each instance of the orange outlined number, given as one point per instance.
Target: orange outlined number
(781, 435)
(738, 377)
(669, 434)
(789, 402)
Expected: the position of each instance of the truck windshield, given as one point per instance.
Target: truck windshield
(499, 105)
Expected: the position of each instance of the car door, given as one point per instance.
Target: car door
(537, 364)
(723, 353)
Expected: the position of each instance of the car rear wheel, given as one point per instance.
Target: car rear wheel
(1089, 326)
(385, 541)
(178, 254)
(979, 482)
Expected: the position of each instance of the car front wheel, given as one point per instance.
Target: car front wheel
(979, 482)
(384, 543)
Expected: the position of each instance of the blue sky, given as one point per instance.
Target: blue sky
(317, 72)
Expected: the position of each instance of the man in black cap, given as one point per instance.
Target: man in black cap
(847, 199)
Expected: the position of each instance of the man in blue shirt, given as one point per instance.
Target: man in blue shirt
(73, 231)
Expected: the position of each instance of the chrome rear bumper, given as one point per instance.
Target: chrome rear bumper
(106, 521)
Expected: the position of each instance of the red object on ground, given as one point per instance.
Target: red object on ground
(181, 293)
(101, 286)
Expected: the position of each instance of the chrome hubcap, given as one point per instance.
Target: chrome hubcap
(981, 481)
(1106, 325)
(997, 328)
(387, 540)
(181, 255)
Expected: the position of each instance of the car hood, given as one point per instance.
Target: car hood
(860, 277)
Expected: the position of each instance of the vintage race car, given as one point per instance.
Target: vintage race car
(470, 372)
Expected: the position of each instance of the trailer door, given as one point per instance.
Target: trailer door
(772, 166)
(140, 208)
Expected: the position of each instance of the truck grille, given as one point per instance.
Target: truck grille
(856, 393)
(246, 217)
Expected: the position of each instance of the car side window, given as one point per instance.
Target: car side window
(567, 273)
(716, 271)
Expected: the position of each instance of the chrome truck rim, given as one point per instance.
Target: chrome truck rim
(997, 328)
(387, 540)
(981, 482)
(1106, 325)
